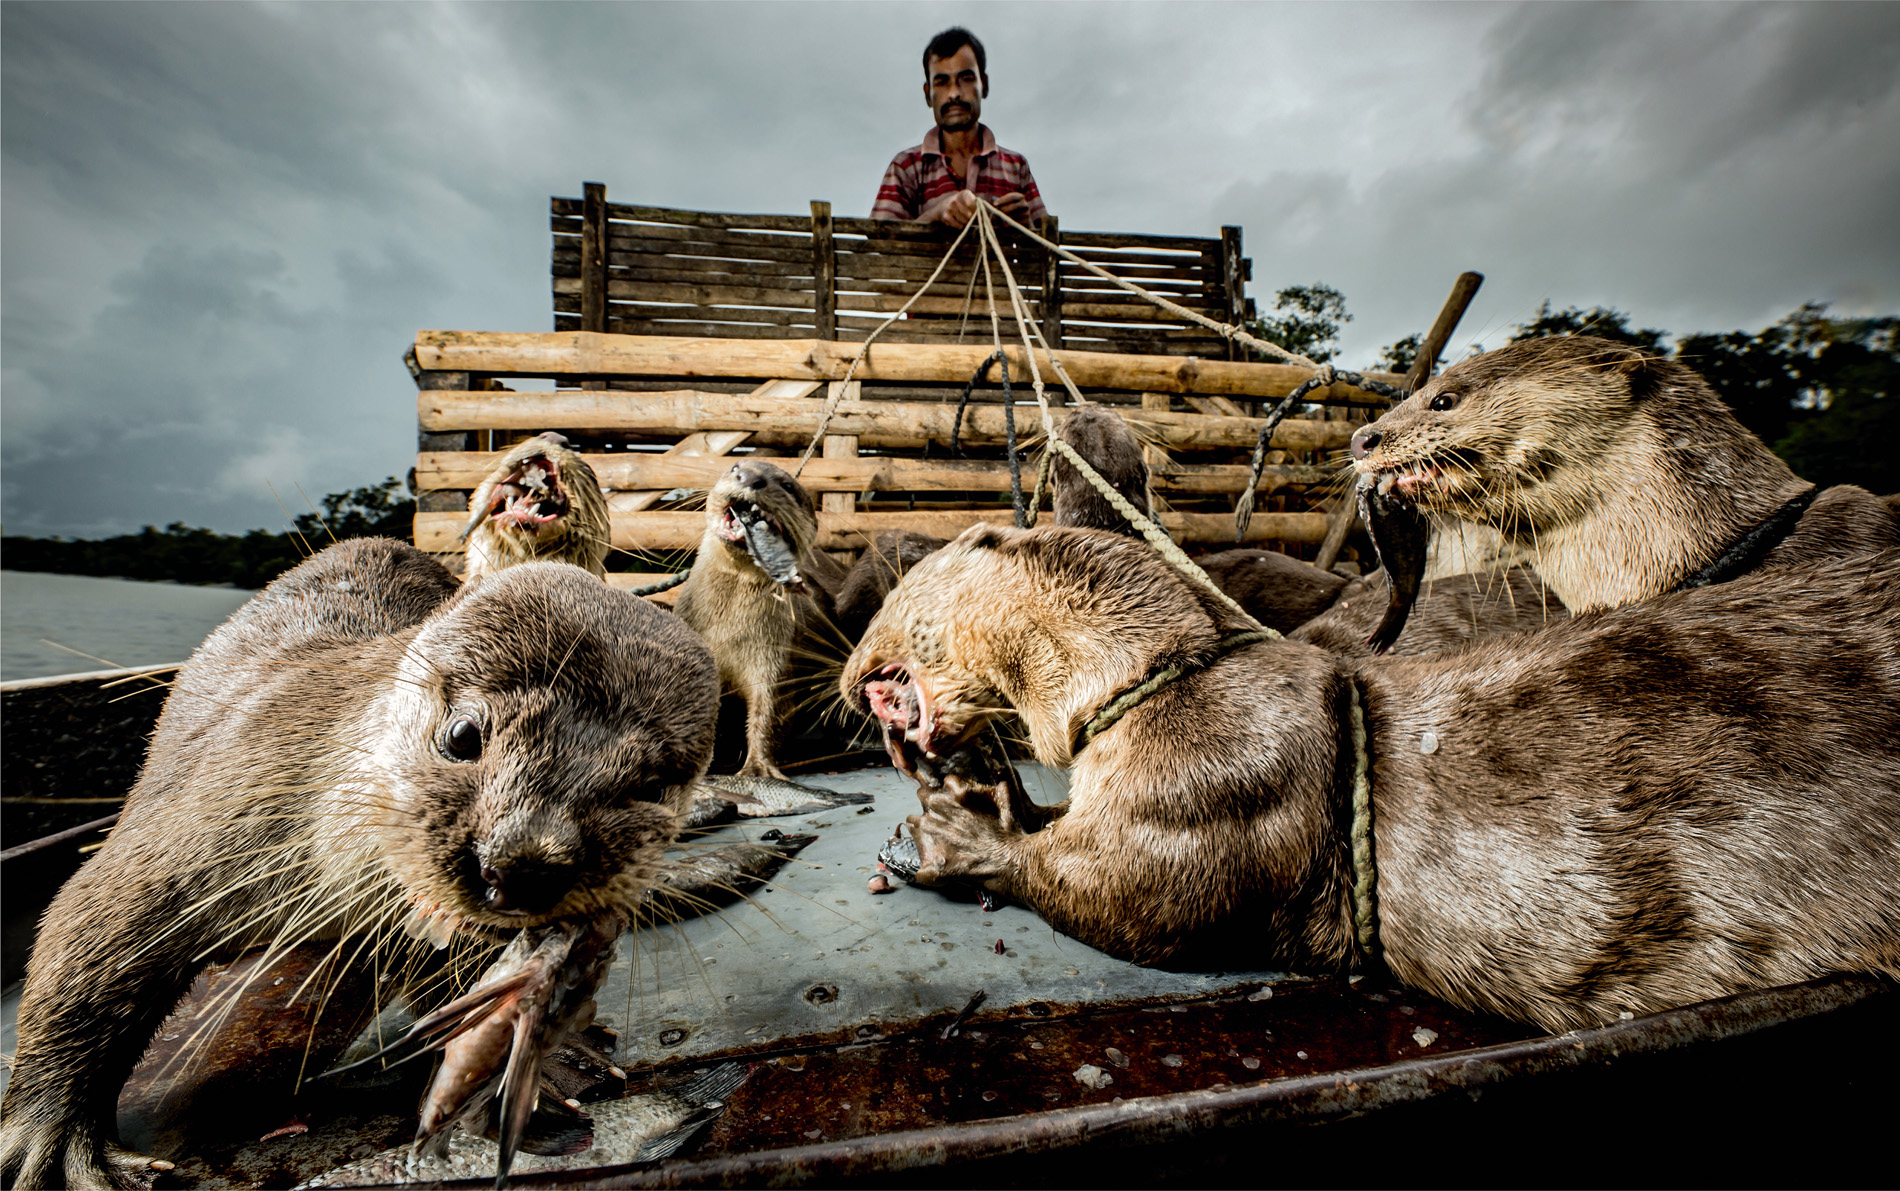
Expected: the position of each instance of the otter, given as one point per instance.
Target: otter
(542, 502)
(882, 565)
(759, 592)
(1099, 435)
(1675, 800)
(365, 750)
(1618, 475)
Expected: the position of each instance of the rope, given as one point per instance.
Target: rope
(1042, 484)
(660, 585)
(976, 378)
(1224, 330)
(1325, 376)
(1112, 711)
(1365, 923)
(837, 394)
(1155, 535)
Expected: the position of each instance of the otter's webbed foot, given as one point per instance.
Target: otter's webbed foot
(969, 832)
(42, 1158)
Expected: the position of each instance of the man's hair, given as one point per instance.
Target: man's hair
(949, 42)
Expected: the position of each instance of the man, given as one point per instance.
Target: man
(959, 160)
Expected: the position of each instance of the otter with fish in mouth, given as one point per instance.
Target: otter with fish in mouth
(1616, 474)
(364, 751)
(540, 503)
(1631, 810)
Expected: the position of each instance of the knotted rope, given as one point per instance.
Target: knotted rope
(1324, 377)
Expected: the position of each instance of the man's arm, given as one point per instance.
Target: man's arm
(896, 197)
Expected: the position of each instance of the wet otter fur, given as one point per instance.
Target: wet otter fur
(542, 502)
(754, 625)
(882, 565)
(1679, 799)
(1099, 435)
(364, 751)
(1615, 473)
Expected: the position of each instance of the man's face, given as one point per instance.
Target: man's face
(954, 90)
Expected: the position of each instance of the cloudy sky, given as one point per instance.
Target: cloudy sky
(223, 222)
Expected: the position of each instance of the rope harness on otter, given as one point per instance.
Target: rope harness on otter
(1133, 697)
(1747, 551)
(1365, 917)
(1365, 920)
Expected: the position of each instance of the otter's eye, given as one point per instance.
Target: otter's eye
(1444, 401)
(463, 739)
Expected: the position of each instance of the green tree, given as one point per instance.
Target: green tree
(1600, 321)
(1400, 356)
(1307, 319)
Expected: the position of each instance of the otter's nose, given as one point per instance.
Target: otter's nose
(526, 886)
(1364, 439)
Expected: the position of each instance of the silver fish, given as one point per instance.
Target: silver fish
(640, 1128)
(764, 797)
(539, 993)
(768, 547)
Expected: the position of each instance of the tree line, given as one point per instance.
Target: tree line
(1823, 392)
(186, 554)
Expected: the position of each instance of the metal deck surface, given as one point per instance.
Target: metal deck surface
(815, 952)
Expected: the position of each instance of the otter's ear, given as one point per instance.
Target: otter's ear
(1640, 370)
(982, 537)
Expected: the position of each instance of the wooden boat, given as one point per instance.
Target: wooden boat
(872, 1062)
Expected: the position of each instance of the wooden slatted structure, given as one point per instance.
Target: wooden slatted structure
(886, 462)
(661, 271)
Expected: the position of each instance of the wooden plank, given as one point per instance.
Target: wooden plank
(593, 278)
(1077, 241)
(1462, 291)
(438, 532)
(697, 461)
(685, 411)
(1234, 287)
(580, 353)
(720, 219)
(824, 258)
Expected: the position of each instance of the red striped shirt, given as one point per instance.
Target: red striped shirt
(920, 176)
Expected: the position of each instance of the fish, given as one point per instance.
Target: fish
(768, 547)
(684, 885)
(644, 1127)
(766, 797)
(536, 995)
(1401, 535)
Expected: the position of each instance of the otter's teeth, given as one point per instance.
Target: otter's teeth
(440, 929)
(1386, 481)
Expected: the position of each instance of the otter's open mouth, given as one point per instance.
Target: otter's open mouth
(912, 722)
(530, 497)
(1422, 478)
(743, 522)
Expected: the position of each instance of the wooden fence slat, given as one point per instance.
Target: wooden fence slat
(625, 475)
(651, 531)
(689, 410)
(509, 353)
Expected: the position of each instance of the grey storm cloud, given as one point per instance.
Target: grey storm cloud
(223, 222)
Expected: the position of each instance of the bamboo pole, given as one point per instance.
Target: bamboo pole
(583, 353)
(625, 475)
(438, 532)
(878, 423)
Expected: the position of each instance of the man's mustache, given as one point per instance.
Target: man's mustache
(955, 103)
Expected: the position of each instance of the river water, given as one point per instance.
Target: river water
(45, 618)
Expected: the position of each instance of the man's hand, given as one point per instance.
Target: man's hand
(959, 209)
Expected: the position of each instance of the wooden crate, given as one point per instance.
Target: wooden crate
(885, 462)
(662, 271)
